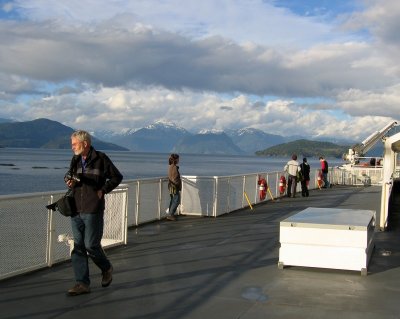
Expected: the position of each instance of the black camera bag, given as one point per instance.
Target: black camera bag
(65, 205)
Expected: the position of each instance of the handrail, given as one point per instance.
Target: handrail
(45, 237)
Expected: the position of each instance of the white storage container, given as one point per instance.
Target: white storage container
(328, 238)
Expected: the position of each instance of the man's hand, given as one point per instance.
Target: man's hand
(70, 183)
(100, 194)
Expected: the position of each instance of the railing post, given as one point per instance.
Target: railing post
(243, 190)
(159, 197)
(255, 193)
(384, 206)
(125, 218)
(50, 235)
(228, 206)
(215, 196)
(137, 203)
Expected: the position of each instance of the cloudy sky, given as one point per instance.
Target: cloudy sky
(312, 67)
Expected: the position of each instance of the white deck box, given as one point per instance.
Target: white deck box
(328, 238)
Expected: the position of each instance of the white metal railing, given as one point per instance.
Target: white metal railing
(201, 195)
(357, 176)
(33, 237)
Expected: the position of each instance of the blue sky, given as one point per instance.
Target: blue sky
(320, 8)
(320, 68)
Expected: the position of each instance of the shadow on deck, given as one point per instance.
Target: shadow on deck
(223, 267)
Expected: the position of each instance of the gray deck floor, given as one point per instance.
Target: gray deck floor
(223, 267)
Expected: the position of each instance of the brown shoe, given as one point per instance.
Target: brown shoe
(107, 277)
(79, 289)
(169, 217)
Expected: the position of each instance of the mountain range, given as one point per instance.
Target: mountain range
(159, 137)
(168, 137)
(43, 133)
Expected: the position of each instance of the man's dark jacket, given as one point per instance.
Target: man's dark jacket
(99, 174)
(305, 171)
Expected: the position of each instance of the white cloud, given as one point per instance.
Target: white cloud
(205, 65)
(383, 103)
(121, 57)
(117, 102)
(243, 20)
(7, 7)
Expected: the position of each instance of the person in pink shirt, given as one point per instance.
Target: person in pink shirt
(324, 170)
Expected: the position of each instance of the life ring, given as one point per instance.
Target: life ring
(320, 179)
(262, 188)
(282, 185)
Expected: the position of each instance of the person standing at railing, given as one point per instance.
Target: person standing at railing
(174, 186)
(292, 168)
(305, 172)
(372, 162)
(92, 175)
(324, 170)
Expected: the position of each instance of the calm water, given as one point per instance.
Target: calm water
(40, 170)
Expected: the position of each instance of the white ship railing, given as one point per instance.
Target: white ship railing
(357, 175)
(33, 237)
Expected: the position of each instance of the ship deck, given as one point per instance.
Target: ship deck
(223, 267)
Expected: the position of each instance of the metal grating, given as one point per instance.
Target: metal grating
(30, 233)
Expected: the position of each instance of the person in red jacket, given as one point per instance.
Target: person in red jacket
(324, 170)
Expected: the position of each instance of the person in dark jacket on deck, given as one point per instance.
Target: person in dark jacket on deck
(305, 173)
(174, 186)
(92, 175)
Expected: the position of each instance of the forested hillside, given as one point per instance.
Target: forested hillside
(305, 148)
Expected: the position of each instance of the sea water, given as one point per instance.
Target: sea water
(39, 170)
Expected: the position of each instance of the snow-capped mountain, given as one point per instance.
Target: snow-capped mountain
(212, 131)
(251, 140)
(165, 137)
(166, 126)
(208, 143)
(159, 137)
(109, 135)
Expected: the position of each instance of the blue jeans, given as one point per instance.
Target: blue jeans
(326, 182)
(88, 231)
(174, 202)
